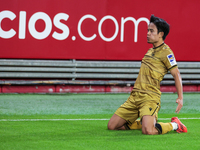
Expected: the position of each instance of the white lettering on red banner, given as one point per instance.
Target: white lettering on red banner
(64, 28)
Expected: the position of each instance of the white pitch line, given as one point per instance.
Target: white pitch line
(49, 119)
(77, 119)
(178, 118)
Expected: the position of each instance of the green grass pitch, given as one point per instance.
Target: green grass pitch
(79, 122)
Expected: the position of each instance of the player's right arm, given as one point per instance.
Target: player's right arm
(178, 83)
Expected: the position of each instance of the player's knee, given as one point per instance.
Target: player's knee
(110, 126)
(147, 131)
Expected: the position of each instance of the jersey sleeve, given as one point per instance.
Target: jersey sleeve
(169, 60)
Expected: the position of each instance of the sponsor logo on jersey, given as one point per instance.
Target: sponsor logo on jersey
(171, 59)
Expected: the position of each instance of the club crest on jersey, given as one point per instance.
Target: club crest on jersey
(171, 59)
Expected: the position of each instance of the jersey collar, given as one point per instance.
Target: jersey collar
(159, 46)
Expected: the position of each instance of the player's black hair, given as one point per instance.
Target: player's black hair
(161, 25)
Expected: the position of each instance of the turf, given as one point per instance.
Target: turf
(88, 134)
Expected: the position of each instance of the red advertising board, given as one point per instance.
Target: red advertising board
(94, 29)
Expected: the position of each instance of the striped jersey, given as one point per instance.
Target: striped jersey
(155, 64)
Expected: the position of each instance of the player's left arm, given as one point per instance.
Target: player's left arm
(178, 83)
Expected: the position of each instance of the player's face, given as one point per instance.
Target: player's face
(152, 35)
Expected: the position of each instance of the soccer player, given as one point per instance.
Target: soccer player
(144, 100)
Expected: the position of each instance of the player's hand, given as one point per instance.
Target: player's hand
(179, 101)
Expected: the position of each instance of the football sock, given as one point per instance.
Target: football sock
(163, 127)
(174, 125)
(135, 125)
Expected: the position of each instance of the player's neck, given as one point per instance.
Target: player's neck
(157, 44)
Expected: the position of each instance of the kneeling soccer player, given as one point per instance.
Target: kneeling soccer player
(144, 100)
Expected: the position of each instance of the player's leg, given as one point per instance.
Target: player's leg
(116, 123)
(149, 113)
(124, 116)
(151, 127)
(148, 125)
(163, 127)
